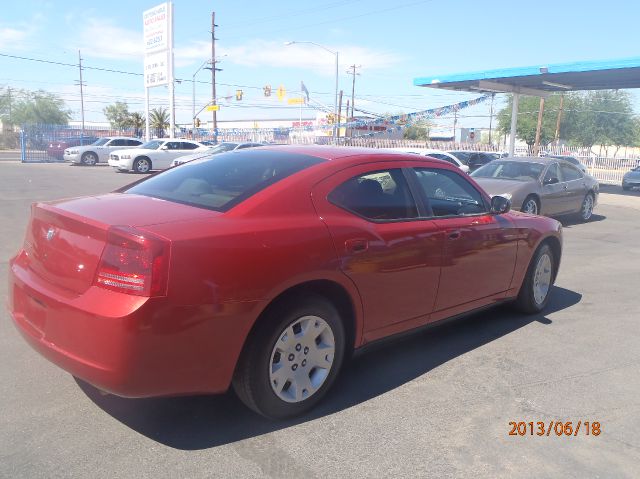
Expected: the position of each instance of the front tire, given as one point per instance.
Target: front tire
(89, 158)
(531, 205)
(534, 292)
(142, 165)
(292, 358)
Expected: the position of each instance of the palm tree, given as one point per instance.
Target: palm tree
(159, 120)
(137, 122)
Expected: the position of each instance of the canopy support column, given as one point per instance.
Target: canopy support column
(514, 123)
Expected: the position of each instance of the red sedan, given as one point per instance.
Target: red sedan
(264, 268)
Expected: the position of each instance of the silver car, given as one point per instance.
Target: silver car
(99, 151)
(551, 187)
(631, 179)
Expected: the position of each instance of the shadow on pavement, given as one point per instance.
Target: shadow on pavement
(200, 422)
(617, 190)
(569, 221)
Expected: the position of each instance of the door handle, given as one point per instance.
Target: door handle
(564, 187)
(454, 235)
(356, 245)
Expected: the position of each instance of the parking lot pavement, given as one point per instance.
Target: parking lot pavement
(435, 404)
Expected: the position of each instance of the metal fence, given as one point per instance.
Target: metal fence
(46, 143)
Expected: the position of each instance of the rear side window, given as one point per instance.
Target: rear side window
(379, 195)
(224, 180)
(188, 146)
(570, 172)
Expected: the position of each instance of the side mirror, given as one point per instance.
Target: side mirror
(500, 205)
(551, 181)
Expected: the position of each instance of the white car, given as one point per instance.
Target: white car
(153, 155)
(214, 150)
(437, 154)
(99, 151)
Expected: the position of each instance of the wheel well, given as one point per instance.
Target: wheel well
(556, 249)
(331, 291)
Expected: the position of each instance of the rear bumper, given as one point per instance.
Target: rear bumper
(127, 345)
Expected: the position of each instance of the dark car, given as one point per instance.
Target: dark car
(56, 148)
(631, 179)
(265, 268)
(474, 159)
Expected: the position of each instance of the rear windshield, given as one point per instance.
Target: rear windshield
(224, 180)
(510, 170)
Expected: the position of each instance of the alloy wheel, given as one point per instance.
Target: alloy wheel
(542, 278)
(587, 207)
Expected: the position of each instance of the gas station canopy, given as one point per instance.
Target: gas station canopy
(541, 81)
(592, 75)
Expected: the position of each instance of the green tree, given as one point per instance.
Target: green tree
(528, 108)
(159, 120)
(137, 121)
(118, 115)
(417, 131)
(602, 118)
(39, 107)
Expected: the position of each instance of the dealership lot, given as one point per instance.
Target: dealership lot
(435, 404)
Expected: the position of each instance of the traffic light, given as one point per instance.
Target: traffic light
(197, 122)
(238, 95)
(267, 90)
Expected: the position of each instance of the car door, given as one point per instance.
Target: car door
(553, 191)
(166, 154)
(383, 244)
(479, 248)
(574, 185)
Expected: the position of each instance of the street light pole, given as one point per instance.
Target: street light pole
(193, 98)
(335, 96)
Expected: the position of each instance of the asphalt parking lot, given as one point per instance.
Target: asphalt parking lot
(435, 404)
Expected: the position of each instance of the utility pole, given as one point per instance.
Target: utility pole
(213, 75)
(339, 115)
(493, 95)
(536, 145)
(557, 135)
(352, 71)
(81, 95)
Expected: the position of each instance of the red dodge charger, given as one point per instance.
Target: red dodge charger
(265, 268)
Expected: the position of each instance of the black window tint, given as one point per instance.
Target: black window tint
(223, 181)
(570, 172)
(118, 143)
(188, 146)
(449, 194)
(379, 195)
(133, 142)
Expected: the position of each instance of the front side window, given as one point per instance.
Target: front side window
(449, 194)
(379, 195)
(101, 142)
(552, 173)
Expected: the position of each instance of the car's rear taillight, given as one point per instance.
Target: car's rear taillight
(134, 262)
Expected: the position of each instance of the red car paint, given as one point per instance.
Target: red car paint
(224, 268)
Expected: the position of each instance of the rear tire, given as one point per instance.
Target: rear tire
(534, 292)
(142, 165)
(531, 205)
(586, 209)
(292, 357)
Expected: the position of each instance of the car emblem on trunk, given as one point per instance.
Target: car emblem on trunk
(50, 233)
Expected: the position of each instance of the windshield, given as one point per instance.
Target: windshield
(152, 145)
(101, 141)
(510, 170)
(220, 182)
(222, 147)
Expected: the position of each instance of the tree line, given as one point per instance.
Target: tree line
(603, 117)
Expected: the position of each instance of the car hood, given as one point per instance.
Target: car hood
(498, 186)
(632, 175)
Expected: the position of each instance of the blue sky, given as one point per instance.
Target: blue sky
(393, 42)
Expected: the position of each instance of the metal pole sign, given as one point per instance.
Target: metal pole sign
(158, 55)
